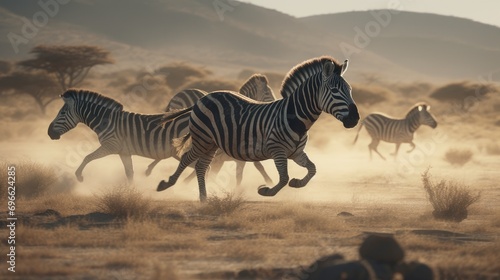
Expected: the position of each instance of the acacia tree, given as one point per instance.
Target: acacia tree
(70, 64)
(39, 85)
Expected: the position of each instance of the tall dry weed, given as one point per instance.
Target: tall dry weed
(449, 199)
(124, 202)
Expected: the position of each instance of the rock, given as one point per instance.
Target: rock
(345, 214)
(381, 248)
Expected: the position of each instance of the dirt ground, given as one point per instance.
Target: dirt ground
(264, 238)
(66, 233)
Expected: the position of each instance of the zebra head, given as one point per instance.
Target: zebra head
(425, 116)
(335, 94)
(65, 120)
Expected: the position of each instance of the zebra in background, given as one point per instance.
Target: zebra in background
(398, 131)
(257, 88)
(248, 130)
(119, 132)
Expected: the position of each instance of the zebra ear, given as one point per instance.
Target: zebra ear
(328, 69)
(344, 67)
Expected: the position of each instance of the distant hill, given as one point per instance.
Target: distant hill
(440, 46)
(150, 32)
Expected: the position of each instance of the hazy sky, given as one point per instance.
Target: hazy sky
(486, 11)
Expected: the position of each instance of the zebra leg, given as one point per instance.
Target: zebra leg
(373, 146)
(395, 154)
(303, 160)
(240, 165)
(151, 166)
(281, 163)
(412, 147)
(263, 172)
(129, 168)
(216, 165)
(201, 171)
(99, 153)
(186, 159)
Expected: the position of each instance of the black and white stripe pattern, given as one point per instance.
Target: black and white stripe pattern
(119, 132)
(257, 88)
(249, 130)
(384, 128)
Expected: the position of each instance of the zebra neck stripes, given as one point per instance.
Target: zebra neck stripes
(302, 107)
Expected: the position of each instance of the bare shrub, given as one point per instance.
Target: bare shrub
(369, 95)
(32, 179)
(458, 157)
(124, 202)
(450, 200)
(222, 205)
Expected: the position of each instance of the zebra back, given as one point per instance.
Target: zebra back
(257, 88)
(92, 97)
(184, 99)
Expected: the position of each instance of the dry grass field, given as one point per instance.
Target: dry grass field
(104, 228)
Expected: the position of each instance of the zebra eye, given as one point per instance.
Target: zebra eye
(335, 90)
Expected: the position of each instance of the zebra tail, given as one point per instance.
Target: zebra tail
(357, 134)
(182, 144)
(174, 114)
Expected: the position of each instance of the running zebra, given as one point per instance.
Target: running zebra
(385, 128)
(257, 88)
(249, 130)
(119, 132)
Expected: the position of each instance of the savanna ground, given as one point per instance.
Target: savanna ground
(105, 229)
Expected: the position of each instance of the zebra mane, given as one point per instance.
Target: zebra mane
(256, 78)
(415, 107)
(303, 71)
(93, 97)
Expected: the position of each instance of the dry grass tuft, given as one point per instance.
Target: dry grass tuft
(124, 202)
(32, 179)
(458, 157)
(222, 205)
(449, 199)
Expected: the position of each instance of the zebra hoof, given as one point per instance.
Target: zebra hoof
(265, 191)
(79, 178)
(163, 186)
(295, 183)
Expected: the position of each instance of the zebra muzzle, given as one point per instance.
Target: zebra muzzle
(53, 134)
(351, 120)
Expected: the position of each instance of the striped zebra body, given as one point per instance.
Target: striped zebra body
(249, 130)
(256, 88)
(119, 132)
(184, 99)
(384, 128)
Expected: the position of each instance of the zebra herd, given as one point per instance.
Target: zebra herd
(249, 125)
